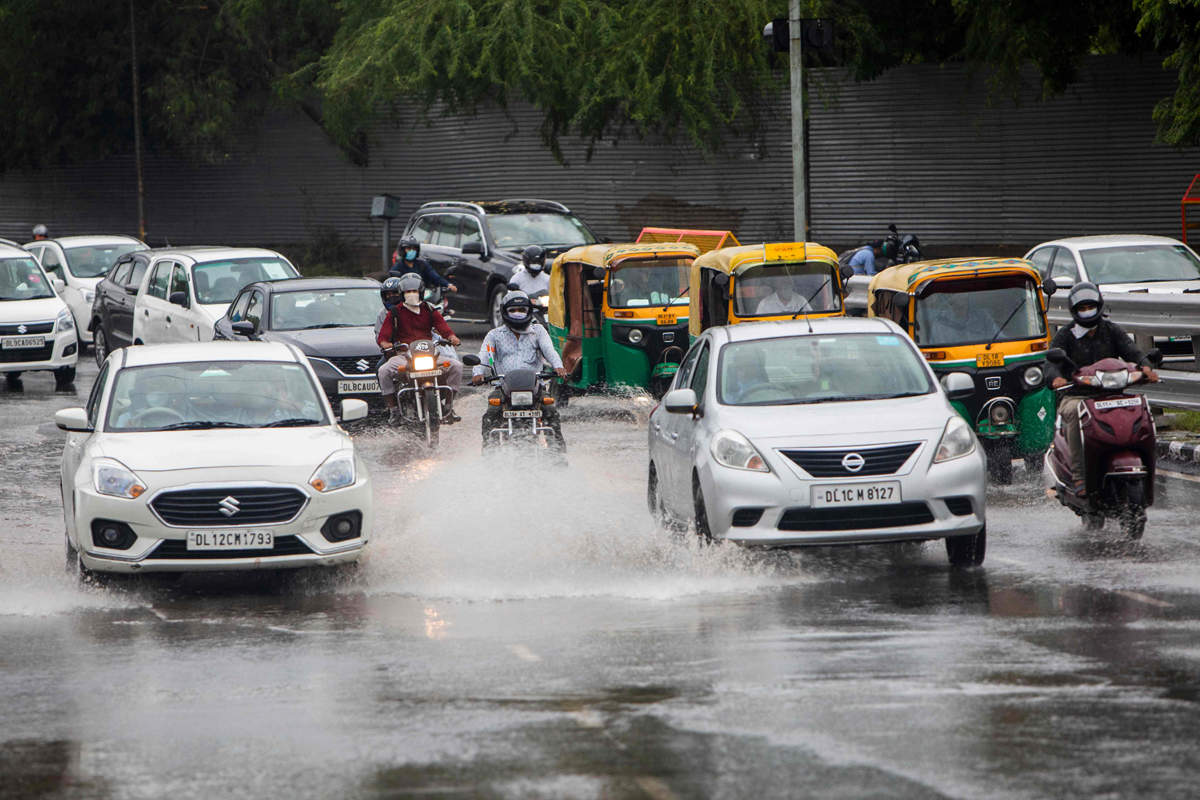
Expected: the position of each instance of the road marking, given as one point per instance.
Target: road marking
(524, 653)
(1180, 475)
(654, 788)
(1145, 598)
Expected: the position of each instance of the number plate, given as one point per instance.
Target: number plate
(667, 319)
(426, 373)
(364, 386)
(230, 540)
(22, 342)
(989, 360)
(537, 412)
(855, 494)
(1121, 402)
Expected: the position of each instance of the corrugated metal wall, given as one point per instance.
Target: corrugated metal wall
(919, 147)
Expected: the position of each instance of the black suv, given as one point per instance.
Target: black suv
(477, 245)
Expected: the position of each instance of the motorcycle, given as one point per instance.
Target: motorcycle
(897, 248)
(435, 296)
(523, 396)
(1118, 445)
(423, 400)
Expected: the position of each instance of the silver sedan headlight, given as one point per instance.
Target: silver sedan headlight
(957, 440)
(731, 449)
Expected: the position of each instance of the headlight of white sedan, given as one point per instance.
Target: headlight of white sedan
(957, 440)
(65, 321)
(336, 472)
(731, 449)
(114, 479)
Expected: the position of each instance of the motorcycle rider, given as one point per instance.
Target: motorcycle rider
(1090, 339)
(412, 320)
(40, 232)
(530, 275)
(520, 343)
(863, 260)
(407, 258)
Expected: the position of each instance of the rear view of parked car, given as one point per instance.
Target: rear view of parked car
(37, 329)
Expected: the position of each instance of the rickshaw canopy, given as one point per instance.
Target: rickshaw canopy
(909, 278)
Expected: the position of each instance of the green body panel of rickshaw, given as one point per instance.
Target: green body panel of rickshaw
(1031, 429)
(591, 361)
(607, 362)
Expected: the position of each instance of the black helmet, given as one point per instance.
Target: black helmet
(516, 310)
(409, 243)
(534, 258)
(1083, 293)
(390, 288)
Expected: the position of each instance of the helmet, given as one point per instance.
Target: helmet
(390, 288)
(40, 230)
(516, 310)
(408, 282)
(534, 258)
(406, 244)
(1083, 293)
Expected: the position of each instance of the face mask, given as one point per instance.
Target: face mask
(412, 299)
(1089, 314)
(535, 268)
(518, 316)
(390, 301)
(409, 255)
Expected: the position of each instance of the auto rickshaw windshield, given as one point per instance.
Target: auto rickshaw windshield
(954, 312)
(640, 284)
(774, 289)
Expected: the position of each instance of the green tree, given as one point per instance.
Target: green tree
(1174, 25)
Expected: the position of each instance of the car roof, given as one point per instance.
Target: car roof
(89, 241)
(520, 205)
(201, 253)
(145, 355)
(771, 329)
(1110, 240)
(312, 284)
(13, 251)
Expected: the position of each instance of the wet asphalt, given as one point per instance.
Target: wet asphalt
(520, 630)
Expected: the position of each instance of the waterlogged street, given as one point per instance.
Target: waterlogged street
(521, 631)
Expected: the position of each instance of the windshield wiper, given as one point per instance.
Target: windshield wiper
(808, 303)
(330, 325)
(1007, 320)
(201, 424)
(292, 422)
(671, 302)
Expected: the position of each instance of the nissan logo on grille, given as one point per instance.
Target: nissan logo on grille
(362, 364)
(853, 462)
(230, 506)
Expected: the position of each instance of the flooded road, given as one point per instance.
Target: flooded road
(565, 648)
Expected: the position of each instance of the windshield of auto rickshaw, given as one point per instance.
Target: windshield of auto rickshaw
(638, 283)
(773, 289)
(955, 312)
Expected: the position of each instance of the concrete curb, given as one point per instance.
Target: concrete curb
(1187, 452)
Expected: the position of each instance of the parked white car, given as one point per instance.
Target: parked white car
(782, 434)
(213, 456)
(186, 290)
(76, 264)
(1120, 263)
(37, 330)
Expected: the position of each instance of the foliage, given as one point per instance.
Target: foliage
(1176, 24)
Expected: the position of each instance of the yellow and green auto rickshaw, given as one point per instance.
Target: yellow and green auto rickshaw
(751, 283)
(618, 314)
(985, 317)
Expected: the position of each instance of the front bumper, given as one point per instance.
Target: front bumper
(61, 350)
(309, 547)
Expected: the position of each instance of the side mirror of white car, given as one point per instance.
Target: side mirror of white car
(72, 419)
(958, 385)
(680, 401)
(353, 409)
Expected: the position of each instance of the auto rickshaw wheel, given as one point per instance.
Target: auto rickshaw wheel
(999, 460)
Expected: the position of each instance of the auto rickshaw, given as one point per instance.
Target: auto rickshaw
(618, 314)
(985, 317)
(751, 283)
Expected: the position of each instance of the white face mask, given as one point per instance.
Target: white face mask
(412, 299)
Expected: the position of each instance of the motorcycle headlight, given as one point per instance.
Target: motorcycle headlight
(114, 479)
(423, 363)
(65, 321)
(336, 472)
(543, 301)
(1034, 376)
(731, 449)
(521, 399)
(1117, 379)
(957, 440)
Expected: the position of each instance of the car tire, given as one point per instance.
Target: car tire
(495, 299)
(967, 551)
(64, 378)
(700, 509)
(99, 344)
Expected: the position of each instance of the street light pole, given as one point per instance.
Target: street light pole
(799, 183)
(137, 126)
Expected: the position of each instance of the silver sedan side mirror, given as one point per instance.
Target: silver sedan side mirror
(958, 385)
(680, 401)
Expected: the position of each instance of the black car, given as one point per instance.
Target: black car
(111, 322)
(477, 245)
(331, 320)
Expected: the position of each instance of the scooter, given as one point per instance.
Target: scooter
(1118, 445)
(423, 399)
(523, 396)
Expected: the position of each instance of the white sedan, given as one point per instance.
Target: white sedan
(1120, 263)
(215, 456)
(783, 434)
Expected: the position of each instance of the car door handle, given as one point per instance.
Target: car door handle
(168, 319)
(146, 311)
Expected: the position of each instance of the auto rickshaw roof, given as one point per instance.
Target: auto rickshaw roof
(604, 255)
(706, 240)
(908, 277)
(732, 260)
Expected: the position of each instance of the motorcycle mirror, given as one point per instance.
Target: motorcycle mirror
(1049, 286)
(1155, 356)
(471, 360)
(1056, 355)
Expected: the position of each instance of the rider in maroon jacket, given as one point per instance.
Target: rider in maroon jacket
(406, 323)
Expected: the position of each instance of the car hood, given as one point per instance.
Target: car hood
(1153, 287)
(857, 422)
(40, 310)
(329, 342)
(235, 448)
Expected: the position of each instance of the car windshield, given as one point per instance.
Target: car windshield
(324, 308)
(22, 279)
(213, 394)
(1140, 264)
(636, 283)
(786, 288)
(95, 260)
(512, 231)
(220, 281)
(820, 369)
(956, 312)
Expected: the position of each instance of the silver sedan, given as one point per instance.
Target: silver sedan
(783, 434)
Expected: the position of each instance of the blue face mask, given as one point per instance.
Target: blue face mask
(409, 255)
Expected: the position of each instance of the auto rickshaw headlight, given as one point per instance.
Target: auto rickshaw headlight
(1034, 376)
(636, 336)
(1000, 414)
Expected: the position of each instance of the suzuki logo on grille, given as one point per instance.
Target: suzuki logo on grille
(21, 329)
(992, 383)
(230, 506)
(362, 364)
(853, 462)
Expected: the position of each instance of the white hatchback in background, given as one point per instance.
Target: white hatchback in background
(76, 264)
(37, 330)
(186, 290)
(782, 434)
(1120, 263)
(213, 456)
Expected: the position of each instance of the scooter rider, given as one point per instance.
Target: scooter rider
(407, 258)
(411, 320)
(1090, 339)
(530, 275)
(520, 343)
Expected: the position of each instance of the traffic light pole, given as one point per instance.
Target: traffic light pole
(799, 183)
